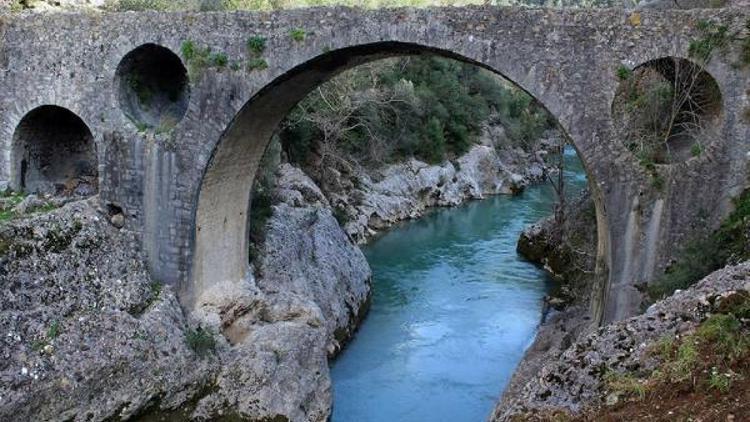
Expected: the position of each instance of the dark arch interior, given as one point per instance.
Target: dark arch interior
(666, 109)
(55, 153)
(153, 87)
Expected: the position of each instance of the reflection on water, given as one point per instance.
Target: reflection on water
(453, 309)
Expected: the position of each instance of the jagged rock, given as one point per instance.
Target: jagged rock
(405, 190)
(574, 380)
(86, 332)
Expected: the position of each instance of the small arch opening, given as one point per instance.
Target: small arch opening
(54, 153)
(666, 110)
(153, 87)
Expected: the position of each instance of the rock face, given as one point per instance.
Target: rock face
(84, 331)
(373, 200)
(89, 336)
(574, 380)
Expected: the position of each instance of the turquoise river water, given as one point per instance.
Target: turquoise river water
(454, 308)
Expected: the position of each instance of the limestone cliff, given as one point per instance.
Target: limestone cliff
(90, 336)
(368, 201)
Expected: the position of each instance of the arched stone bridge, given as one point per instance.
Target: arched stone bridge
(177, 152)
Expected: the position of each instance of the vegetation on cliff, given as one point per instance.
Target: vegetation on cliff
(423, 106)
(729, 244)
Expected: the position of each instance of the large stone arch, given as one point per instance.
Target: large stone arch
(220, 242)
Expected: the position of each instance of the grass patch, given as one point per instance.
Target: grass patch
(54, 330)
(199, 59)
(626, 384)
(624, 73)
(258, 63)
(13, 199)
(297, 34)
(256, 45)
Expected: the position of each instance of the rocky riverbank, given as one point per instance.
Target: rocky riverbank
(619, 365)
(367, 201)
(88, 334)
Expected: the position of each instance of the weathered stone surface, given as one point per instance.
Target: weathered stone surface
(87, 335)
(83, 331)
(374, 200)
(574, 379)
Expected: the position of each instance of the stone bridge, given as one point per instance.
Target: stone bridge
(174, 140)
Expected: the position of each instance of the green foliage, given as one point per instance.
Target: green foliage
(745, 46)
(703, 255)
(713, 37)
(141, 90)
(624, 72)
(426, 107)
(14, 198)
(201, 341)
(256, 45)
(261, 204)
(723, 333)
(54, 330)
(696, 150)
(219, 59)
(297, 34)
(198, 59)
(719, 381)
(339, 213)
(257, 63)
(155, 288)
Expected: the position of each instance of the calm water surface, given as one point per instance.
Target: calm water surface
(454, 307)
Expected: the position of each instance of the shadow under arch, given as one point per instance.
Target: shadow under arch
(221, 220)
(53, 150)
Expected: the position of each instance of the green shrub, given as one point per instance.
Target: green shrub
(696, 150)
(257, 63)
(256, 45)
(705, 254)
(198, 59)
(714, 37)
(627, 384)
(201, 341)
(219, 60)
(624, 72)
(297, 34)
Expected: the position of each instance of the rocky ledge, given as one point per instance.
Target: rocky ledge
(372, 200)
(87, 333)
(575, 381)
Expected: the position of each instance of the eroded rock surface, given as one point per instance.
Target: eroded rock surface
(374, 200)
(86, 332)
(574, 380)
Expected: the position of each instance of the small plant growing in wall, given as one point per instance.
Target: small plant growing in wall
(201, 341)
(258, 63)
(256, 45)
(297, 34)
(199, 59)
(624, 73)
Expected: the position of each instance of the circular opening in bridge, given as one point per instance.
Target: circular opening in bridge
(666, 110)
(153, 87)
(55, 153)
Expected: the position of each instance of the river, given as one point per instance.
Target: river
(454, 307)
